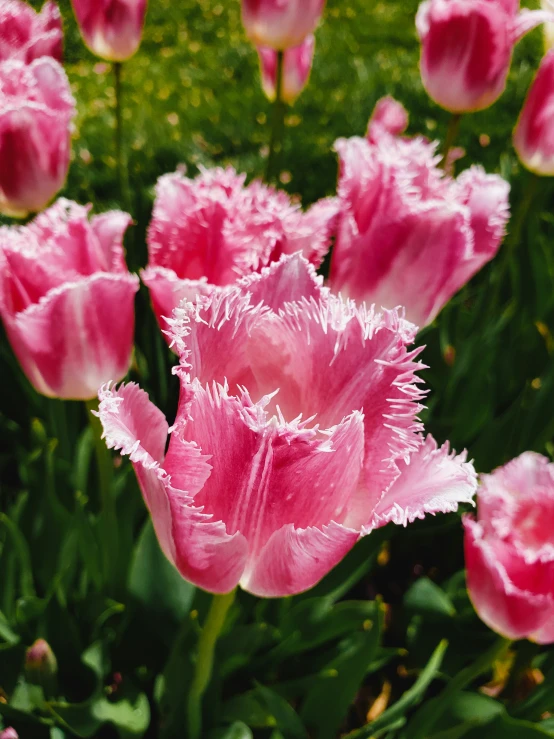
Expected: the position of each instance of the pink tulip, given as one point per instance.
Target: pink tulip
(509, 550)
(407, 233)
(534, 133)
(212, 230)
(296, 434)
(389, 116)
(67, 299)
(297, 65)
(9, 733)
(112, 29)
(466, 49)
(27, 35)
(36, 109)
(280, 24)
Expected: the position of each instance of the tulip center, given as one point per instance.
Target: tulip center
(533, 522)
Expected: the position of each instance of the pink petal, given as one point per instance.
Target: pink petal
(109, 229)
(77, 337)
(388, 117)
(199, 547)
(265, 474)
(311, 232)
(294, 560)
(432, 480)
(504, 606)
(289, 280)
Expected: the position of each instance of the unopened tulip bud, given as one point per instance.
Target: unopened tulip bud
(41, 666)
(112, 29)
(297, 65)
(280, 24)
(534, 133)
(466, 49)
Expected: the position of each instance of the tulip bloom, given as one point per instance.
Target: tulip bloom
(280, 24)
(212, 230)
(509, 550)
(296, 433)
(9, 733)
(112, 29)
(27, 35)
(466, 49)
(297, 65)
(67, 299)
(36, 109)
(407, 233)
(534, 134)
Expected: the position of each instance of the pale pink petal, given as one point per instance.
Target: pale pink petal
(311, 232)
(505, 607)
(432, 480)
(289, 280)
(280, 25)
(109, 229)
(199, 547)
(112, 29)
(526, 20)
(265, 473)
(294, 560)
(77, 337)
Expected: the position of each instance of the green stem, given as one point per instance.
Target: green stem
(278, 123)
(429, 714)
(108, 512)
(205, 659)
(120, 158)
(451, 136)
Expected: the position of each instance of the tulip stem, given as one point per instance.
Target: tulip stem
(119, 153)
(427, 716)
(205, 659)
(108, 513)
(451, 136)
(278, 123)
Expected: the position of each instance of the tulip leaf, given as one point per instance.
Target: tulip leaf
(263, 708)
(331, 693)
(237, 730)
(427, 598)
(155, 583)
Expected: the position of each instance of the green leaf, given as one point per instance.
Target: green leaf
(22, 551)
(328, 699)
(237, 730)
(155, 583)
(88, 544)
(411, 697)
(286, 718)
(426, 598)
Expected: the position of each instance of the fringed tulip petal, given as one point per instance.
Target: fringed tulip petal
(26, 35)
(294, 560)
(432, 480)
(77, 336)
(510, 549)
(198, 546)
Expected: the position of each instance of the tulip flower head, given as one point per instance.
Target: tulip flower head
(407, 233)
(466, 49)
(297, 65)
(67, 299)
(509, 550)
(9, 733)
(534, 133)
(212, 230)
(296, 433)
(27, 35)
(280, 24)
(112, 29)
(36, 110)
